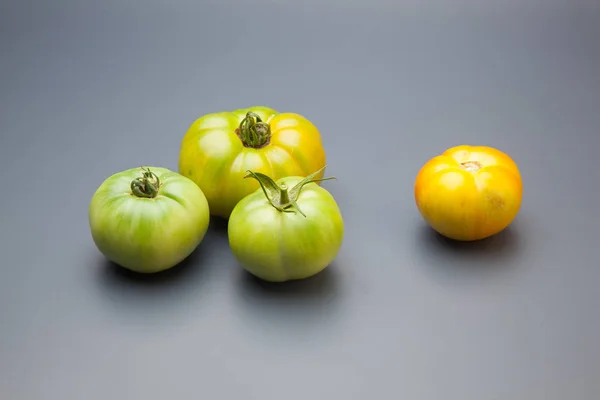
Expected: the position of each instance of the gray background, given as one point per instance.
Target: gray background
(92, 88)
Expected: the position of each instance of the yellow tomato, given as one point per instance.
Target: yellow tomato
(469, 192)
(219, 148)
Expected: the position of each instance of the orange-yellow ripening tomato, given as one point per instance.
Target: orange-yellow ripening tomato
(469, 192)
(219, 148)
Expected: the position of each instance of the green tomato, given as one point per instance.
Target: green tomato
(148, 220)
(218, 148)
(286, 230)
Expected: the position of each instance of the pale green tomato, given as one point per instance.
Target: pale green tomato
(286, 230)
(148, 220)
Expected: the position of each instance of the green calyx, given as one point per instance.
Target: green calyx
(253, 132)
(281, 197)
(147, 185)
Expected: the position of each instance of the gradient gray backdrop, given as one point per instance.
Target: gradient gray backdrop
(92, 88)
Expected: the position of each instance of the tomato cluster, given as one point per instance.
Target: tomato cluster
(262, 171)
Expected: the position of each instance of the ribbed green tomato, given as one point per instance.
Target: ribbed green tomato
(219, 148)
(286, 230)
(148, 220)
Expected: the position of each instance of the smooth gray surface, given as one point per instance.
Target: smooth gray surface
(91, 89)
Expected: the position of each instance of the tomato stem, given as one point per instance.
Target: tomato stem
(147, 185)
(285, 194)
(253, 132)
(280, 196)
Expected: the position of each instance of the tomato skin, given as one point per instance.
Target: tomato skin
(148, 235)
(214, 156)
(469, 205)
(280, 246)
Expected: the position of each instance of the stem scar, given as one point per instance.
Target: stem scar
(471, 166)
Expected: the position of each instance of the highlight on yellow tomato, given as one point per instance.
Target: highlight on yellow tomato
(219, 148)
(469, 192)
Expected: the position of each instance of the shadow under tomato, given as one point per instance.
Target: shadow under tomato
(218, 225)
(501, 244)
(117, 275)
(319, 286)
(300, 308)
(494, 254)
(139, 296)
